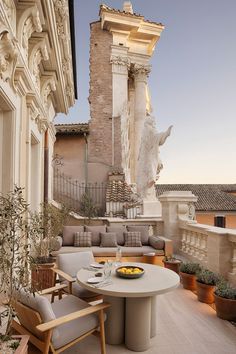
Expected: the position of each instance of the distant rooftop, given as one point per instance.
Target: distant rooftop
(72, 129)
(211, 197)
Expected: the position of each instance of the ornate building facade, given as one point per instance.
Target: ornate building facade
(36, 83)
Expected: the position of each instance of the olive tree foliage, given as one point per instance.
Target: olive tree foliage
(15, 256)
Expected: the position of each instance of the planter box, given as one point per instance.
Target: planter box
(43, 277)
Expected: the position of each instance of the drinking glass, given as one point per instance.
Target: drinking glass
(107, 270)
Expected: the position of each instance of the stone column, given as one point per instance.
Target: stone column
(140, 76)
(176, 206)
(120, 123)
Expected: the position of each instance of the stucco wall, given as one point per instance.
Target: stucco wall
(208, 219)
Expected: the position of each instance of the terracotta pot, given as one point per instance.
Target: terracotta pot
(188, 281)
(43, 276)
(205, 293)
(225, 308)
(172, 265)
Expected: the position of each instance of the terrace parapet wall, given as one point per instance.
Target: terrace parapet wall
(212, 247)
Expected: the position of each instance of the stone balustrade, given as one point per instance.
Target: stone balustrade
(212, 247)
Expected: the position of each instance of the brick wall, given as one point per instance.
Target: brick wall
(100, 96)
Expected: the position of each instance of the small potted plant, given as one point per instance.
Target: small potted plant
(14, 264)
(225, 301)
(172, 263)
(188, 275)
(206, 282)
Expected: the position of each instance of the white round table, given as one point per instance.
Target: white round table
(132, 315)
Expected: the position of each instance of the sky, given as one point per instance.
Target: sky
(192, 84)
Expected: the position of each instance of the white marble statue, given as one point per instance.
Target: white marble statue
(149, 163)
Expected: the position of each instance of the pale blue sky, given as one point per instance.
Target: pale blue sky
(192, 84)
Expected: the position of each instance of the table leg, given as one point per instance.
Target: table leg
(114, 324)
(138, 323)
(153, 316)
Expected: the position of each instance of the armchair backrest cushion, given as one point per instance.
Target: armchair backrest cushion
(71, 263)
(69, 234)
(119, 231)
(144, 229)
(40, 304)
(96, 230)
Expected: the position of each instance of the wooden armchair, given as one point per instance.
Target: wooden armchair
(68, 265)
(59, 325)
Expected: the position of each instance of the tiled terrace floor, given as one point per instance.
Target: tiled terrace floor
(184, 326)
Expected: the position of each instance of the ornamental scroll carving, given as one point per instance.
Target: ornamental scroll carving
(141, 70)
(8, 56)
(9, 9)
(39, 53)
(31, 24)
(119, 60)
(62, 13)
(48, 86)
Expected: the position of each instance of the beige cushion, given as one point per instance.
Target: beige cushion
(144, 229)
(133, 239)
(74, 329)
(71, 263)
(139, 251)
(83, 239)
(156, 242)
(96, 233)
(68, 234)
(119, 233)
(108, 239)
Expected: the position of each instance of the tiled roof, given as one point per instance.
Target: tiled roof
(112, 10)
(211, 197)
(72, 129)
(118, 191)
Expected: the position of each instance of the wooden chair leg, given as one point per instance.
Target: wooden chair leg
(47, 342)
(102, 332)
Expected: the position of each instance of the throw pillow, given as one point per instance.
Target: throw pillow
(156, 242)
(83, 239)
(133, 239)
(143, 229)
(108, 239)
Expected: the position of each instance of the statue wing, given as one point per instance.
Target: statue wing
(164, 135)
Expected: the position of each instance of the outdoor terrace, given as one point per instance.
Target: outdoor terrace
(184, 326)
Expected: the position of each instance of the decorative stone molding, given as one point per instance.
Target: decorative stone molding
(8, 56)
(48, 86)
(9, 8)
(28, 24)
(62, 14)
(141, 71)
(38, 53)
(69, 90)
(66, 65)
(119, 60)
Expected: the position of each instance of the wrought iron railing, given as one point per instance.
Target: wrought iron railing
(70, 192)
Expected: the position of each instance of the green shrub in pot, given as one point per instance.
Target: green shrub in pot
(190, 268)
(225, 301)
(206, 281)
(188, 272)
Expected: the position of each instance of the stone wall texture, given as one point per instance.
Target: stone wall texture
(100, 96)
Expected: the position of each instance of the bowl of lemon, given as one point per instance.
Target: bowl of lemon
(130, 272)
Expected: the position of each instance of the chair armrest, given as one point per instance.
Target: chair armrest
(64, 275)
(52, 289)
(168, 246)
(71, 316)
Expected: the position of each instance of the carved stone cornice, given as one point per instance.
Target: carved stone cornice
(141, 69)
(8, 56)
(119, 60)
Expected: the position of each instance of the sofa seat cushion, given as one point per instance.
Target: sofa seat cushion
(74, 329)
(139, 251)
(70, 249)
(96, 230)
(144, 229)
(108, 239)
(119, 231)
(69, 234)
(104, 251)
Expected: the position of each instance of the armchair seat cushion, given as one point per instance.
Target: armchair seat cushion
(72, 330)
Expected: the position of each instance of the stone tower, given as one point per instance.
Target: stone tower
(121, 46)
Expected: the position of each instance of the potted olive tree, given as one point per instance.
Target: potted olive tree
(15, 263)
(44, 239)
(225, 301)
(188, 275)
(206, 282)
